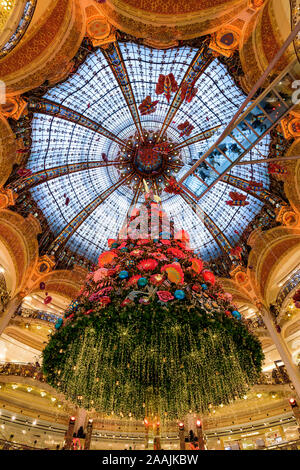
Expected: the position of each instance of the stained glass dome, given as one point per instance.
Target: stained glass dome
(96, 94)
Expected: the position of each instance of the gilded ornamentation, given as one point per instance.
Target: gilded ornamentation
(286, 216)
(225, 41)
(291, 125)
(100, 31)
(14, 107)
(50, 46)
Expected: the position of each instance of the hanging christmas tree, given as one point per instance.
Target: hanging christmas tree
(151, 331)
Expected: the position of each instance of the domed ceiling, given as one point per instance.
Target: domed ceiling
(119, 143)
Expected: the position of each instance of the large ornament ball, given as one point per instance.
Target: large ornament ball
(123, 275)
(179, 294)
(142, 282)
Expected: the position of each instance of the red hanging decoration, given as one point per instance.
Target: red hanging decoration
(186, 128)
(166, 85)
(147, 106)
(48, 300)
(188, 91)
(275, 169)
(238, 199)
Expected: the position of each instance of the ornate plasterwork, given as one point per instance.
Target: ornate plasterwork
(166, 21)
(291, 125)
(226, 40)
(268, 250)
(47, 49)
(262, 39)
(8, 148)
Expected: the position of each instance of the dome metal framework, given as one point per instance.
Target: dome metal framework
(80, 127)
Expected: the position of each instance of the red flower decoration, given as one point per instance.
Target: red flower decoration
(228, 313)
(208, 276)
(105, 300)
(133, 280)
(159, 256)
(165, 242)
(147, 264)
(176, 252)
(88, 312)
(156, 279)
(143, 242)
(126, 302)
(196, 288)
(197, 265)
(138, 253)
(164, 295)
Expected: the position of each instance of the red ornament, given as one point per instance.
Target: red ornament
(47, 300)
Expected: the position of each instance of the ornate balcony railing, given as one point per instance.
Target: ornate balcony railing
(32, 371)
(37, 314)
(287, 287)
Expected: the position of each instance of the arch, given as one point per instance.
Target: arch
(47, 48)
(8, 148)
(292, 181)
(63, 282)
(18, 235)
(262, 39)
(270, 255)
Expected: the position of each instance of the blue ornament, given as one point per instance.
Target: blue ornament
(179, 294)
(114, 245)
(123, 275)
(175, 259)
(236, 315)
(204, 286)
(165, 235)
(156, 240)
(142, 282)
(58, 323)
(124, 249)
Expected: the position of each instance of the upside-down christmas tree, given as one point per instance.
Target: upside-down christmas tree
(151, 331)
